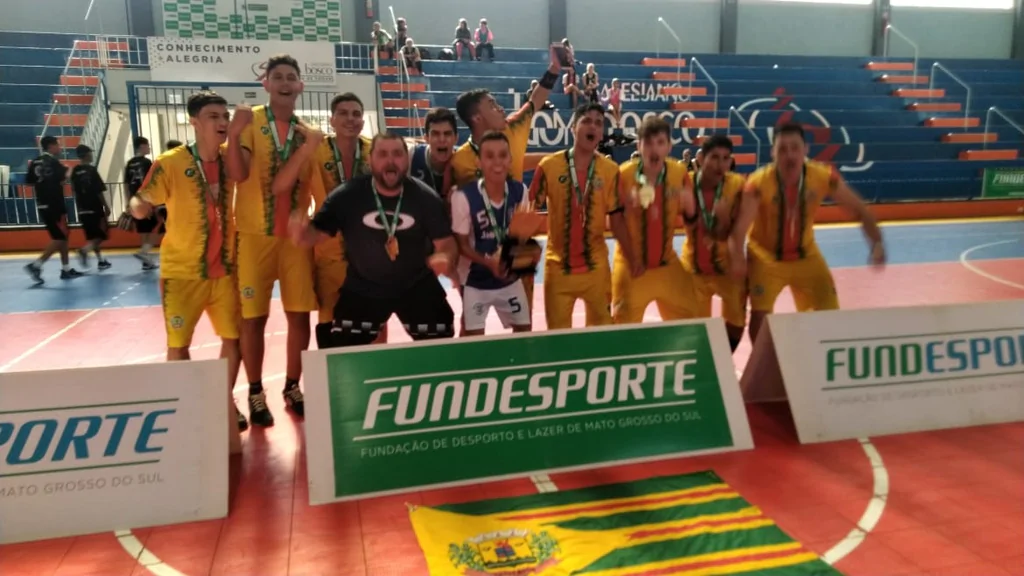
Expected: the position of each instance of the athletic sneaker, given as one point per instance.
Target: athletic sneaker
(103, 264)
(243, 424)
(36, 272)
(69, 274)
(294, 399)
(259, 414)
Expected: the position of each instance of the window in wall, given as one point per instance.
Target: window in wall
(973, 4)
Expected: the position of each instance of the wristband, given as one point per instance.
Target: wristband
(547, 81)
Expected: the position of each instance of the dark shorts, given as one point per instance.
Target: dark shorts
(423, 310)
(56, 224)
(95, 226)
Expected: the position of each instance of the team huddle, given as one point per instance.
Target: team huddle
(361, 229)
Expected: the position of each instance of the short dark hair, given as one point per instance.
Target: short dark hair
(47, 141)
(584, 109)
(493, 136)
(202, 99)
(386, 135)
(468, 103)
(440, 115)
(139, 142)
(346, 97)
(716, 141)
(652, 126)
(789, 128)
(82, 150)
(172, 144)
(282, 60)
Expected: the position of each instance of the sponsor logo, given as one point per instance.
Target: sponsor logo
(372, 220)
(1009, 178)
(177, 322)
(248, 292)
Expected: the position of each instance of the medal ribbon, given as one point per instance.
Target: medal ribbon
(207, 189)
(641, 179)
(392, 227)
(708, 215)
(581, 193)
(499, 231)
(283, 152)
(792, 211)
(339, 163)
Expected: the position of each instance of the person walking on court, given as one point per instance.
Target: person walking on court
(46, 175)
(93, 210)
(134, 175)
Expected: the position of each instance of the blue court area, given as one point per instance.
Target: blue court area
(126, 285)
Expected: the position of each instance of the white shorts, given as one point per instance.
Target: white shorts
(509, 302)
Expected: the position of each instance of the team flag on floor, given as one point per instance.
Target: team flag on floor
(694, 525)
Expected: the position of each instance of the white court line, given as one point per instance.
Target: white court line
(49, 339)
(136, 550)
(966, 264)
(872, 514)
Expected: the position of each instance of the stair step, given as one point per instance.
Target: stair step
(953, 122)
(1010, 154)
(714, 123)
(93, 45)
(672, 76)
(934, 107)
(406, 103)
(65, 119)
(78, 99)
(398, 87)
(896, 79)
(70, 80)
(684, 91)
(403, 122)
(889, 66)
(66, 142)
(919, 93)
(663, 62)
(745, 159)
(970, 137)
(693, 106)
(737, 140)
(387, 70)
(94, 63)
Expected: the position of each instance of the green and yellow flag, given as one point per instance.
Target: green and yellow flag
(693, 525)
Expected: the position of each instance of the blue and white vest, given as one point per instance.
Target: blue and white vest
(484, 239)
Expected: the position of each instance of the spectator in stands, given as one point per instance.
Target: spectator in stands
(591, 84)
(613, 101)
(463, 39)
(382, 41)
(134, 175)
(570, 82)
(91, 202)
(411, 53)
(687, 158)
(484, 39)
(698, 161)
(401, 34)
(46, 175)
(171, 145)
(529, 96)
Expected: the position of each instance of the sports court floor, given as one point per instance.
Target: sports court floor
(948, 502)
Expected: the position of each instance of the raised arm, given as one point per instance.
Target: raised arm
(239, 154)
(289, 174)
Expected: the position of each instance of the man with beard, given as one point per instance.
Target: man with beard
(780, 200)
(580, 188)
(398, 240)
(655, 190)
(338, 159)
(431, 162)
(706, 257)
(260, 142)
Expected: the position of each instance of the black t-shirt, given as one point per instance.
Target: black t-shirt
(352, 211)
(47, 174)
(89, 188)
(135, 173)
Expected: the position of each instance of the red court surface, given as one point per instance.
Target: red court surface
(948, 502)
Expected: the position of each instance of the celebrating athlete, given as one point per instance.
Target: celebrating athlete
(260, 142)
(432, 162)
(706, 252)
(655, 190)
(198, 252)
(580, 188)
(781, 200)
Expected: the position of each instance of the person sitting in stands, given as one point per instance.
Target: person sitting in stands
(382, 41)
(412, 56)
(484, 39)
(529, 96)
(463, 39)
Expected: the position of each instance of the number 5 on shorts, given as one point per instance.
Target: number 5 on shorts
(515, 305)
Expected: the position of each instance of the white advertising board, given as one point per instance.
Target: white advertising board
(852, 374)
(99, 449)
(214, 60)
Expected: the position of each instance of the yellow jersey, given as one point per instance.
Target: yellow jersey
(784, 226)
(330, 168)
(576, 228)
(700, 256)
(517, 130)
(652, 230)
(200, 239)
(258, 210)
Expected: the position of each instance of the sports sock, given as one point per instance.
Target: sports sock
(255, 387)
(290, 384)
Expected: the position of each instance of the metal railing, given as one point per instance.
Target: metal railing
(679, 47)
(19, 209)
(696, 63)
(931, 86)
(404, 79)
(728, 131)
(1001, 114)
(902, 36)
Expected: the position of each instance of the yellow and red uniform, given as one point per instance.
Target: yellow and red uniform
(265, 253)
(329, 257)
(517, 130)
(781, 249)
(708, 264)
(576, 256)
(651, 232)
(197, 255)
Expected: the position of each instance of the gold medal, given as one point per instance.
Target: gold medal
(392, 247)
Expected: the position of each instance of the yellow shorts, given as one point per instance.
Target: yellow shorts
(184, 302)
(809, 280)
(732, 293)
(561, 291)
(265, 259)
(330, 275)
(668, 286)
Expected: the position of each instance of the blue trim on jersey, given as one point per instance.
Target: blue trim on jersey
(484, 240)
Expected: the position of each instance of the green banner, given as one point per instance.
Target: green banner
(1003, 183)
(403, 417)
(230, 19)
